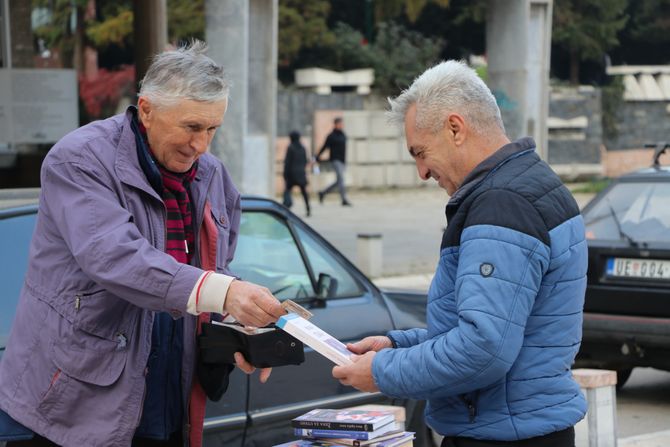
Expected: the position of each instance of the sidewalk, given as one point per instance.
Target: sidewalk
(658, 439)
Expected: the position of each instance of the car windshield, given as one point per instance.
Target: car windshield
(636, 212)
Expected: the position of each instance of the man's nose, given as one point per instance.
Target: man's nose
(423, 171)
(200, 141)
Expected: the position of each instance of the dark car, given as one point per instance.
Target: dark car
(627, 308)
(278, 250)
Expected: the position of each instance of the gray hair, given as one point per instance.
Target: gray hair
(184, 73)
(448, 87)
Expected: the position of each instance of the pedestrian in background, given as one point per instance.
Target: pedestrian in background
(504, 309)
(295, 164)
(336, 142)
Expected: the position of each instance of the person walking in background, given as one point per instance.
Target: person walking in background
(337, 143)
(295, 163)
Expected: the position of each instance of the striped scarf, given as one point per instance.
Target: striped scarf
(180, 236)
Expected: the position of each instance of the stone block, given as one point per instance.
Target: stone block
(358, 151)
(369, 254)
(379, 127)
(370, 176)
(594, 378)
(401, 175)
(356, 123)
(383, 151)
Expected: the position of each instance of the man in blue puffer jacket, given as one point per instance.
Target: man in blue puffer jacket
(504, 311)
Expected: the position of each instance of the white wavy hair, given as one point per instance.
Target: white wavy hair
(184, 73)
(448, 87)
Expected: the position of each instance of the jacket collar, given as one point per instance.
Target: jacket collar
(490, 165)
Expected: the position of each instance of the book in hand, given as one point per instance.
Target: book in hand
(344, 419)
(316, 338)
(347, 434)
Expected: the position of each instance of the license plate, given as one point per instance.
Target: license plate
(638, 268)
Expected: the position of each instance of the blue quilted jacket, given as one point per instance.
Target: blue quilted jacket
(504, 311)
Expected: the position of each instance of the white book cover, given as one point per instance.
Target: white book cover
(316, 338)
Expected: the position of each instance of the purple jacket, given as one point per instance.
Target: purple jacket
(74, 366)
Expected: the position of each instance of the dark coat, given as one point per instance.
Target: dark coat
(295, 163)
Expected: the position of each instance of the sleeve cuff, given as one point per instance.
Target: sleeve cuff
(212, 294)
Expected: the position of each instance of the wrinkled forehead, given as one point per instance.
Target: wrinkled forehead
(189, 110)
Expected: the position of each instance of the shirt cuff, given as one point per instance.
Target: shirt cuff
(211, 295)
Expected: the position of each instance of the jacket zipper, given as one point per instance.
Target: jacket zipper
(79, 296)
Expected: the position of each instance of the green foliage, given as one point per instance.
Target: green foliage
(186, 20)
(302, 25)
(650, 20)
(612, 100)
(588, 27)
(116, 29)
(592, 187)
(401, 55)
(58, 32)
(350, 52)
(386, 10)
(397, 55)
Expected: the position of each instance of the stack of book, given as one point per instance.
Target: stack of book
(349, 427)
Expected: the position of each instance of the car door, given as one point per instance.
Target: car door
(17, 227)
(279, 251)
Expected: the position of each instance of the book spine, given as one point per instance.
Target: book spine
(330, 425)
(344, 434)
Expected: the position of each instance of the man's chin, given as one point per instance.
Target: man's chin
(179, 168)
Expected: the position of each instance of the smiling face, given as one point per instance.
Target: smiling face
(437, 155)
(179, 134)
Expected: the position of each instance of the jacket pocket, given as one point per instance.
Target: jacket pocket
(88, 369)
(102, 314)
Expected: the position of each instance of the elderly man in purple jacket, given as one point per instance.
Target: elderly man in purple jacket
(136, 226)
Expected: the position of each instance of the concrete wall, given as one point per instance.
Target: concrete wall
(376, 153)
(377, 157)
(575, 125)
(295, 108)
(640, 122)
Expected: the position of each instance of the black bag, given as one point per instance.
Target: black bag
(218, 343)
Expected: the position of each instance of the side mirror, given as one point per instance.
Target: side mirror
(326, 286)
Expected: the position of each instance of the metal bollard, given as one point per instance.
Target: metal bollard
(369, 254)
(599, 385)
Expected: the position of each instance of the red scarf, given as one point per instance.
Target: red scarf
(180, 236)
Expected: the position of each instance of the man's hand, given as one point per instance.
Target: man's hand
(252, 305)
(358, 374)
(248, 368)
(375, 343)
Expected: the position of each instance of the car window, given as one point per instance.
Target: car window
(267, 254)
(638, 211)
(17, 232)
(322, 260)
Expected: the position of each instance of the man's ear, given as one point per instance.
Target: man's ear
(145, 111)
(455, 124)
